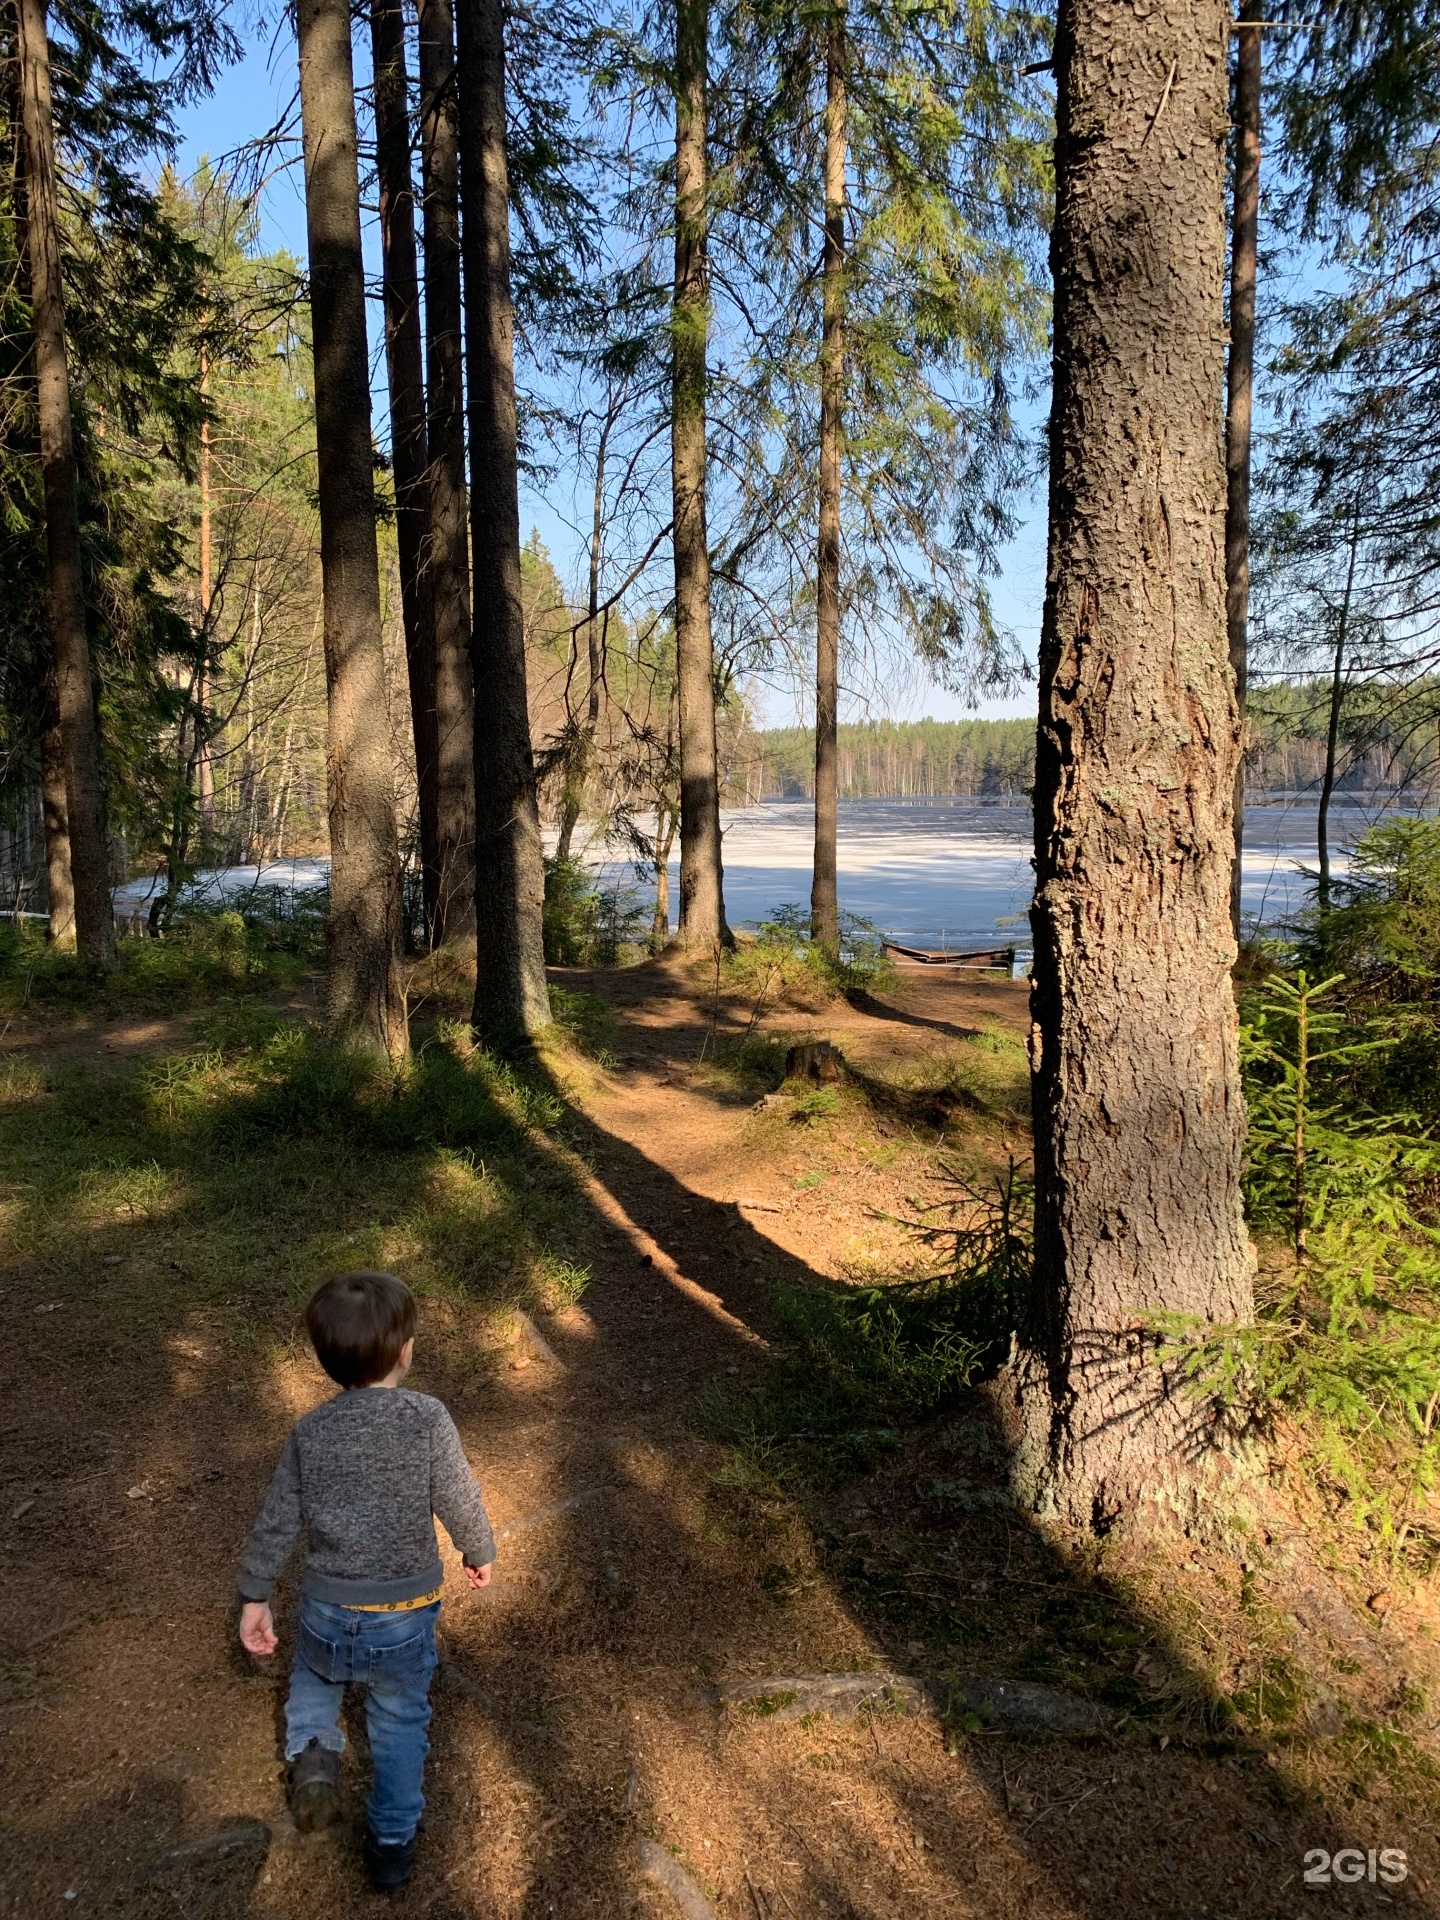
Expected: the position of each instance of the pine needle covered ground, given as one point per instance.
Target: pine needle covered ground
(712, 1339)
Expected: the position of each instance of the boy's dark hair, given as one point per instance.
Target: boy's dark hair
(358, 1324)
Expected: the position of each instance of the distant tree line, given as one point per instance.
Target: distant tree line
(1387, 745)
(904, 759)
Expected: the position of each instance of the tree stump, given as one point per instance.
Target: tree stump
(817, 1060)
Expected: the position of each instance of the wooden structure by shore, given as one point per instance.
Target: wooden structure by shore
(976, 959)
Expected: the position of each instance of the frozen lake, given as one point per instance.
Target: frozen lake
(927, 871)
(936, 871)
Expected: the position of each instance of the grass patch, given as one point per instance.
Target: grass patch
(1374, 1751)
(203, 955)
(987, 1073)
(228, 1179)
(782, 961)
(587, 1022)
(864, 1363)
(751, 1062)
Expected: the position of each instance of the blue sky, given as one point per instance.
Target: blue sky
(253, 95)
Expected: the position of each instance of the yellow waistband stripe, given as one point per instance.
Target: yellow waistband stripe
(401, 1606)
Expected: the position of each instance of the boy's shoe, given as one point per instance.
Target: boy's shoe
(389, 1864)
(315, 1788)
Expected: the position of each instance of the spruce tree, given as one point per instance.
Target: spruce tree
(870, 419)
(1240, 380)
(74, 693)
(824, 896)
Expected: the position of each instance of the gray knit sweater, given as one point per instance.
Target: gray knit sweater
(362, 1475)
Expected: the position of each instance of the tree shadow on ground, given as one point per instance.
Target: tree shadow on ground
(173, 1220)
(878, 1009)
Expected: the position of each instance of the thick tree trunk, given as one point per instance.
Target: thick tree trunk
(94, 926)
(702, 903)
(449, 539)
(55, 811)
(367, 994)
(205, 769)
(1139, 1120)
(824, 896)
(1244, 247)
(54, 807)
(511, 999)
(407, 419)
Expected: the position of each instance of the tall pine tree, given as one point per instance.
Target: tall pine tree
(366, 985)
(1139, 1122)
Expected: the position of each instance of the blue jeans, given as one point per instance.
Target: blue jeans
(391, 1655)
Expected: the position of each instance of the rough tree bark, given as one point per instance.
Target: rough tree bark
(205, 769)
(405, 373)
(54, 808)
(449, 539)
(511, 999)
(55, 811)
(824, 895)
(1239, 406)
(702, 902)
(366, 988)
(79, 736)
(1138, 1111)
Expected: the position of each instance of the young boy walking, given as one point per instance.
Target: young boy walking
(362, 1475)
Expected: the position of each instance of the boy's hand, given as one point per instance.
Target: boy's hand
(257, 1629)
(479, 1576)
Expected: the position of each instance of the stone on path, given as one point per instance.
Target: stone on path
(1017, 1704)
(552, 1512)
(245, 1836)
(791, 1696)
(666, 1871)
(1032, 1709)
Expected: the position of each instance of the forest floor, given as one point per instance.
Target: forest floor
(607, 1264)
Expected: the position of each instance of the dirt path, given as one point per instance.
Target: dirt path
(638, 1572)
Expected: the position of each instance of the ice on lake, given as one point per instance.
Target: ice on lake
(931, 872)
(921, 871)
